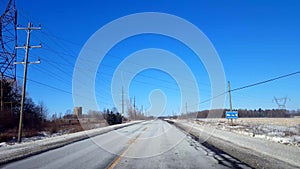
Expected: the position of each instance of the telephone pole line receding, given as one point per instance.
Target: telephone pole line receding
(122, 101)
(25, 63)
(186, 108)
(134, 112)
(229, 94)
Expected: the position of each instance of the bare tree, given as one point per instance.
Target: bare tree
(43, 109)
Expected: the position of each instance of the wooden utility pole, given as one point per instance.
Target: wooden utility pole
(25, 63)
(142, 109)
(186, 109)
(230, 102)
(134, 112)
(122, 101)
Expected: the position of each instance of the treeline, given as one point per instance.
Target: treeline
(34, 116)
(134, 113)
(110, 116)
(221, 113)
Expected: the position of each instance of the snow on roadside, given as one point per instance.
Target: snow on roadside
(25, 149)
(264, 152)
(3, 144)
(288, 135)
(41, 136)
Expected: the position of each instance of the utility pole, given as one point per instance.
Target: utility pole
(230, 102)
(25, 63)
(180, 113)
(134, 108)
(186, 109)
(142, 109)
(122, 101)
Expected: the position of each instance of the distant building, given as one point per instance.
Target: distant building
(78, 111)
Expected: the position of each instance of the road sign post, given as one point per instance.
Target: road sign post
(232, 115)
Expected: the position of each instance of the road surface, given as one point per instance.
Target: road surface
(151, 144)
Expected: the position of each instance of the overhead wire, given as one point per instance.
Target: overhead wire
(57, 89)
(50, 36)
(248, 86)
(107, 54)
(265, 81)
(202, 102)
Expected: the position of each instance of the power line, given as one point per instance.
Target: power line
(100, 73)
(43, 84)
(52, 75)
(248, 86)
(68, 52)
(266, 81)
(58, 89)
(87, 60)
(236, 89)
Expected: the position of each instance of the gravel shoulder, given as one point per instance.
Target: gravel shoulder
(257, 153)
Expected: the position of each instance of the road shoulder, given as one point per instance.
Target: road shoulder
(247, 153)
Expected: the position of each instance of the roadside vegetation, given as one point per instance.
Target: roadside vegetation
(34, 118)
(37, 121)
(244, 113)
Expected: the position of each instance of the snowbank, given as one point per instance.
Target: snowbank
(23, 150)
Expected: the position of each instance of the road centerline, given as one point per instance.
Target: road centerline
(130, 142)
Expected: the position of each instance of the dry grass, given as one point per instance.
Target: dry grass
(288, 122)
(13, 133)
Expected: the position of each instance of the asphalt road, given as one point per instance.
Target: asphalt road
(152, 144)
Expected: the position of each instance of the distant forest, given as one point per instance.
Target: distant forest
(269, 113)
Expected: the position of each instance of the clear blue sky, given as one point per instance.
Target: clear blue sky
(255, 40)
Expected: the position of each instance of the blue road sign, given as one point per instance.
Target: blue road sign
(232, 115)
